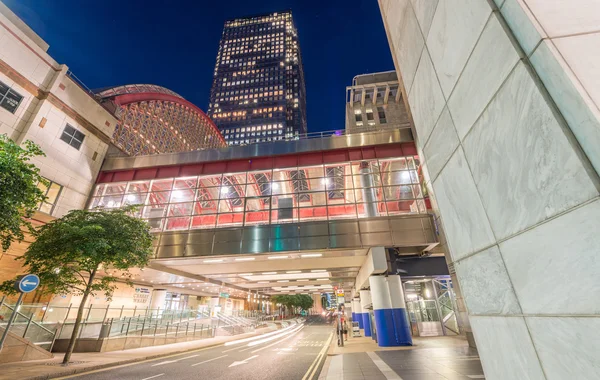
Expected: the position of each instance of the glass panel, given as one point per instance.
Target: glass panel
(111, 201)
(230, 219)
(342, 211)
(397, 178)
(185, 183)
(393, 165)
(161, 184)
(46, 207)
(180, 209)
(314, 171)
(158, 198)
(398, 192)
(183, 195)
(135, 199)
(99, 189)
(204, 221)
(138, 187)
(154, 211)
(156, 224)
(115, 188)
(177, 224)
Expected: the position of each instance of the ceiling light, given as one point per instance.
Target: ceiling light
(318, 270)
(283, 281)
(262, 282)
(246, 259)
(322, 279)
(269, 272)
(293, 271)
(277, 257)
(214, 261)
(245, 274)
(307, 255)
(302, 280)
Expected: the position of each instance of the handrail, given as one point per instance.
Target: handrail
(30, 318)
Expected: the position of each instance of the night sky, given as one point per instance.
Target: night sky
(174, 43)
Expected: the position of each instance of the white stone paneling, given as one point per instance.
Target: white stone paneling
(582, 54)
(525, 168)
(424, 10)
(506, 348)
(465, 222)
(571, 99)
(455, 28)
(426, 99)
(406, 38)
(560, 18)
(561, 255)
(567, 347)
(523, 24)
(441, 144)
(492, 60)
(485, 284)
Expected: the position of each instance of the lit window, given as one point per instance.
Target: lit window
(358, 115)
(51, 192)
(381, 114)
(9, 99)
(72, 137)
(370, 115)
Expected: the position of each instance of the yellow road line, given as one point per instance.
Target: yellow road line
(315, 364)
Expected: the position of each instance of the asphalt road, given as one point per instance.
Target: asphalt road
(295, 354)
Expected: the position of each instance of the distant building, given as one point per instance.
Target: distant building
(373, 102)
(258, 91)
(153, 119)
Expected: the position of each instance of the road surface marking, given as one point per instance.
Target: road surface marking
(245, 361)
(174, 361)
(209, 360)
(315, 364)
(293, 332)
(384, 368)
(272, 344)
(232, 343)
(476, 376)
(152, 377)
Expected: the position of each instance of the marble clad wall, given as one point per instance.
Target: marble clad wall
(504, 95)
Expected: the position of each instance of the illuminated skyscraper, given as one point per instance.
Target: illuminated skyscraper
(258, 91)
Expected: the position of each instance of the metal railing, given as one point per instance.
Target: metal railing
(26, 327)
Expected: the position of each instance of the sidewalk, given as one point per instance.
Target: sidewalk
(88, 361)
(430, 358)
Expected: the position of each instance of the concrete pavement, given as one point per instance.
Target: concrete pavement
(294, 353)
(82, 362)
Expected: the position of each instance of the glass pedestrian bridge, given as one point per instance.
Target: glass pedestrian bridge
(350, 191)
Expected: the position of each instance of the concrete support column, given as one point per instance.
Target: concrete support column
(390, 316)
(365, 299)
(401, 323)
(158, 299)
(356, 311)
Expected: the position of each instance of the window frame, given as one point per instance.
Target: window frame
(75, 131)
(3, 97)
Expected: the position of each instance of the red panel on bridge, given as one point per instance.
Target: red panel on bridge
(262, 163)
(168, 172)
(191, 170)
(124, 176)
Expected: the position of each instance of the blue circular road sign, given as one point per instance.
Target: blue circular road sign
(28, 283)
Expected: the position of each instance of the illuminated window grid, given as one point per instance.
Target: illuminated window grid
(271, 196)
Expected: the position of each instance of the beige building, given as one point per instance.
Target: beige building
(373, 102)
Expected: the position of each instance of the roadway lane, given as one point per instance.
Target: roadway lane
(297, 353)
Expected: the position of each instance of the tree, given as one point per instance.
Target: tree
(302, 301)
(69, 253)
(19, 192)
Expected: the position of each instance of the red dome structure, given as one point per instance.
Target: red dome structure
(154, 119)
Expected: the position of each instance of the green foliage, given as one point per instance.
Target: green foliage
(19, 194)
(302, 301)
(69, 251)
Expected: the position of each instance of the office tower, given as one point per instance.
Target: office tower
(258, 91)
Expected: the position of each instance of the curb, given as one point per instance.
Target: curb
(74, 371)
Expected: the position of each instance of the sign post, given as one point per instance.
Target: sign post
(24, 284)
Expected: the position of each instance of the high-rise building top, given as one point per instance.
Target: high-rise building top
(258, 91)
(374, 102)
